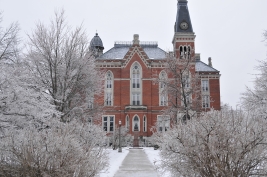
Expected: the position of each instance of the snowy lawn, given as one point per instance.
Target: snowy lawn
(115, 161)
(154, 158)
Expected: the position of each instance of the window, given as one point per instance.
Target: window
(91, 102)
(144, 124)
(90, 121)
(186, 81)
(136, 98)
(163, 96)
(108, 123)
(163, 123)
(185, 52)
(127, 123)
(205, 85)
(136, 85)
(205, 101)
(136, 123)
(109, 89)
(108, 99)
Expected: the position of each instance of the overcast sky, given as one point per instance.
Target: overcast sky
(229, 31)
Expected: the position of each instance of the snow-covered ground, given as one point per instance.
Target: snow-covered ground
(154, 158)
(115, 160)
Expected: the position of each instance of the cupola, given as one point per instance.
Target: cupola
(96, 46)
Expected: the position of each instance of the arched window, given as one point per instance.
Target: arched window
(181, 52)
(136, 84)
(185, 52)
(189, 52)
(163, 93)
(144, 124)
(127, 123)
(136, 123)
(109, 84)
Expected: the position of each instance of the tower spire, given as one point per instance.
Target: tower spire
(183, 21)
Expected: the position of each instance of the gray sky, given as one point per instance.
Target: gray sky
(229, 31)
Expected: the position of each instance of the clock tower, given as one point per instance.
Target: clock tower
(184, 36)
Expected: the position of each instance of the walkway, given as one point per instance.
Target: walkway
(136, 164)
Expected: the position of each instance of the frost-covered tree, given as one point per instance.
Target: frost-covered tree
(180, 88)
(22, 102)
(71, 149)
(63, 65)
(256, 98)
(216, 144)
(9, 41)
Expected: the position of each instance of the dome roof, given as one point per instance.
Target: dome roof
(96, 42)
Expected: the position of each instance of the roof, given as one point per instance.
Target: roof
(121, 48)
(96, 42)
(203, 67)
(183, 16)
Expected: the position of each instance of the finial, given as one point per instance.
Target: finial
(96, 33)
(210, 63)
(136, 39)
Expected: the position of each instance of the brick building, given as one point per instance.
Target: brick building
(131, 96)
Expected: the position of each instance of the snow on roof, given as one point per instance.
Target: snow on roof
(119, 51)
(200, 66)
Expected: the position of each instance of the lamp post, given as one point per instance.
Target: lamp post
(119, 136)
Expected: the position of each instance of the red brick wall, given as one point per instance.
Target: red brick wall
(150, 95)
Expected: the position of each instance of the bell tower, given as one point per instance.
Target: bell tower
(184, 36)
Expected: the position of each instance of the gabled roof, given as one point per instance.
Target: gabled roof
(203, 67)
(121, 48)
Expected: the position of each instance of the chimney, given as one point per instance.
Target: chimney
(136, 39)
(210, 63)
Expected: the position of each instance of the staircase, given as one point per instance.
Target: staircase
(136, 140)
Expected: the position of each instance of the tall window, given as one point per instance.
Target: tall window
(163, 123)
(109, 89)
(127, 123)
(163, 95)
(205, 93)
(205, 85)
(136, 98)
(90, 102)
(136, 84)
(108, 123)
(205, 101)
(186, 81)
(136, 123)
(144, 124)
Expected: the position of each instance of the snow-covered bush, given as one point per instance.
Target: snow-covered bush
(65, 149)
(218, 143)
